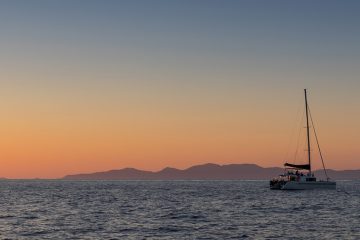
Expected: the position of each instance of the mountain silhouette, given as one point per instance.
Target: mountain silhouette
(207, 171)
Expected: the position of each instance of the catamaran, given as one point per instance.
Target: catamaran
(300, 176)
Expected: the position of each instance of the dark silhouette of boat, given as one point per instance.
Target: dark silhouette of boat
(300, 176)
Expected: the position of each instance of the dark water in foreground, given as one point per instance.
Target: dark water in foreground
(175, 210)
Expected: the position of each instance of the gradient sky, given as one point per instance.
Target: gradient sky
(96, 85)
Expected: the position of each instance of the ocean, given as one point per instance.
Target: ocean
(56, 209)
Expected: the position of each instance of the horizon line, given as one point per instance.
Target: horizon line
(157, 171)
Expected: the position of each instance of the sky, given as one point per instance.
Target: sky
(97, 85)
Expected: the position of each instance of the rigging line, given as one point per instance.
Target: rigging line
(289, 146)
(299, 136)
(318, 145)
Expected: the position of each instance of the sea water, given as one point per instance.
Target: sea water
(175, 210)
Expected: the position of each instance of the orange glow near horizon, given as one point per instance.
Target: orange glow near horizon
(38, 140)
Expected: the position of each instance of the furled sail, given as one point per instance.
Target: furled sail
(298, 166)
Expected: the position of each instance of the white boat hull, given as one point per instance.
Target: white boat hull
(293, 185)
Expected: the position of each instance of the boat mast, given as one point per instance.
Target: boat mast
(308, 130)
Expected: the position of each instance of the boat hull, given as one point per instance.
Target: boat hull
(292, 185)
(276, 185)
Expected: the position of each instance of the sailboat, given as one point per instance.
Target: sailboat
(300, 176)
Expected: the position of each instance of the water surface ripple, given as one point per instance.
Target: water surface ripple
(175, 210)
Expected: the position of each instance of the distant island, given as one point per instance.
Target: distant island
(207, 172)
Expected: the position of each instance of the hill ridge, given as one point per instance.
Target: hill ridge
(207, 171)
